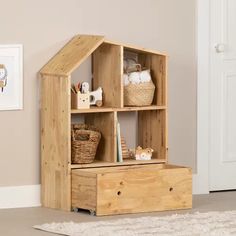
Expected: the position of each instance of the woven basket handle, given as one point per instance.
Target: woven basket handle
(72, 135)
(138, 67)
(82, 136)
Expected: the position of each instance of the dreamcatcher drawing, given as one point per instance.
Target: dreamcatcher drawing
(3, 77)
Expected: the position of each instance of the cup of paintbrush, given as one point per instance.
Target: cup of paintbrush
(73, 89)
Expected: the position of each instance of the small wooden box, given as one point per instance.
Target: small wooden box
(132, 189)
(80, 101)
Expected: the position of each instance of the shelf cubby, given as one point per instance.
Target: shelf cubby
(105, 122)
(107, 147)
(157, 64)
(148, 129)
(152, 132)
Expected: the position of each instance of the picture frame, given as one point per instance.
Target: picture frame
(11, 77)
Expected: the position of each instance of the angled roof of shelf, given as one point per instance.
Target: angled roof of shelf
(77, 50)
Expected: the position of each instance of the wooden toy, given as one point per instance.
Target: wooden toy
(125, 151)
(143, 154)
(96, 97)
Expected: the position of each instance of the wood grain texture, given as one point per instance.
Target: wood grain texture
(123, 109)
(152, 125)
(106, 123)
(55, 142)
(84, 190)
(126, 162)
(103, 170)
(107, 73)
(152, 132)
(135, 48)
(72, 55)
(141, 188)
(144, 190)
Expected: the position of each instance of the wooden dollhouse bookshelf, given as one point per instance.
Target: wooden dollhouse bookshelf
(56, 115)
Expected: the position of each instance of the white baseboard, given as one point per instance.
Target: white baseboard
(20, 196)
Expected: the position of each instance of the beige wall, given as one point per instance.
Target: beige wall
(44, 26)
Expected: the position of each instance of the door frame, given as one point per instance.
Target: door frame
(201, 178)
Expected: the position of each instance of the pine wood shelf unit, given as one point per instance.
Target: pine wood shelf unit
(57, 171)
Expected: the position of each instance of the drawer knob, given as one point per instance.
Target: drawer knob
(171, 189)
(119, 193)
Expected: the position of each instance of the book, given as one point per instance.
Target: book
(119, 148)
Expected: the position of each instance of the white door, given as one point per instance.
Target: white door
(223, 95)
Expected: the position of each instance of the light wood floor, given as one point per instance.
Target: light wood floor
(19, 222)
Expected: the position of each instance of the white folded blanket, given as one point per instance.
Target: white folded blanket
(137, 77)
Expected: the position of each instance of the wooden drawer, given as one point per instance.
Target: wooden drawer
(132, 189)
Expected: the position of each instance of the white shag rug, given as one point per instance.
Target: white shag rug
(210, 223)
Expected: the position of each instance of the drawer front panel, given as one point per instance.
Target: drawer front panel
(144, 190)
(84, 191)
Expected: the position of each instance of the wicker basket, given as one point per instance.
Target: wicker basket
(84, 143)
(139, 94)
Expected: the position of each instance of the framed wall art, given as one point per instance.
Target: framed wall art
(11, 77)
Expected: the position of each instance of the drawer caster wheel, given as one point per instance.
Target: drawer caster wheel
(92, 212)
(75, 209)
